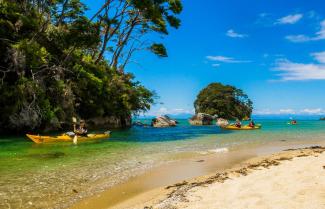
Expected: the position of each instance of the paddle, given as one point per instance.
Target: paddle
(75, 138)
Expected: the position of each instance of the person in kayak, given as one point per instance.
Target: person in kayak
(81, 130)
(251, 123)
(238, 123)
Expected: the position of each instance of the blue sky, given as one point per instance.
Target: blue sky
(273, 50)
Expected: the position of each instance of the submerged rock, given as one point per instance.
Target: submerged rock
(201, 119)
(163, 121)
(139, 123)
(51, 155)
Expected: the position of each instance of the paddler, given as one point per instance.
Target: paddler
(238, 123)
(251, 123)
(80, 131)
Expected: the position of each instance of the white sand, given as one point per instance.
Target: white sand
(298, 183)
(292, 179)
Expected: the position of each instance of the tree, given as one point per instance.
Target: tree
(125, 24)
(224, 101)
(49, 67)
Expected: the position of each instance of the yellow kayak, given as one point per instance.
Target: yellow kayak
(66, 138)
(247, 128)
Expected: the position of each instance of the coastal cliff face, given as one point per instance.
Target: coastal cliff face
(109, 122)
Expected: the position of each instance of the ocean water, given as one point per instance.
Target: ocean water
(55, 175)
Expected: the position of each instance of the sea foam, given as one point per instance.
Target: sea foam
(220, 150)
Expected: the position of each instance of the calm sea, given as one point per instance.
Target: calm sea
(54, 175)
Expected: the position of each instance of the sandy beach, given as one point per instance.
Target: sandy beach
(289, 179)
(292, 178)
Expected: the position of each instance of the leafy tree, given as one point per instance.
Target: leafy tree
(56, 63)
(223, 100)
(125, 24)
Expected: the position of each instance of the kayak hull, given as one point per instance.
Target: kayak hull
(243, 128)
(66, 138)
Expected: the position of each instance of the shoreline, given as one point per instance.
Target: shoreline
(259, 183)
(151, 185)
(161, 176)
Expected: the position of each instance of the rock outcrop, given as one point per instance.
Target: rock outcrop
(201, 119)
(222, 122)
(109, 122)
(163, 121)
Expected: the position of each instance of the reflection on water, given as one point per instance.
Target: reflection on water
(54, 175)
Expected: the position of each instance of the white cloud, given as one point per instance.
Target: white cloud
(289, 111)
(298, 38)
(226, 59)
(317, 111)
(162, 110)
(291, 71)
(290, 19)
(263, 112)
(231, 33)
(171, 111)
(320, 35)
(319, 56)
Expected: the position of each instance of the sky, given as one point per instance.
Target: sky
(273, 50)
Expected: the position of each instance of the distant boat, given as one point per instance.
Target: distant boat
(293, 122)
(322, 118)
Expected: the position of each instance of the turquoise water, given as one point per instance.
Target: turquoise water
(55, 175)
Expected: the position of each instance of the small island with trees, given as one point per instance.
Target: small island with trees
(221, 101)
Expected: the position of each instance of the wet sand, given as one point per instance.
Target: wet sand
(160, 177)
(150, 188)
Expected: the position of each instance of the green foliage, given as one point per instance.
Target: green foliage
(125, 31)
(225, 101)
(159, 50)
(48, 69)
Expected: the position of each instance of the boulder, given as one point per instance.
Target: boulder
(201, 119)
(222, 122)
(163, 121)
